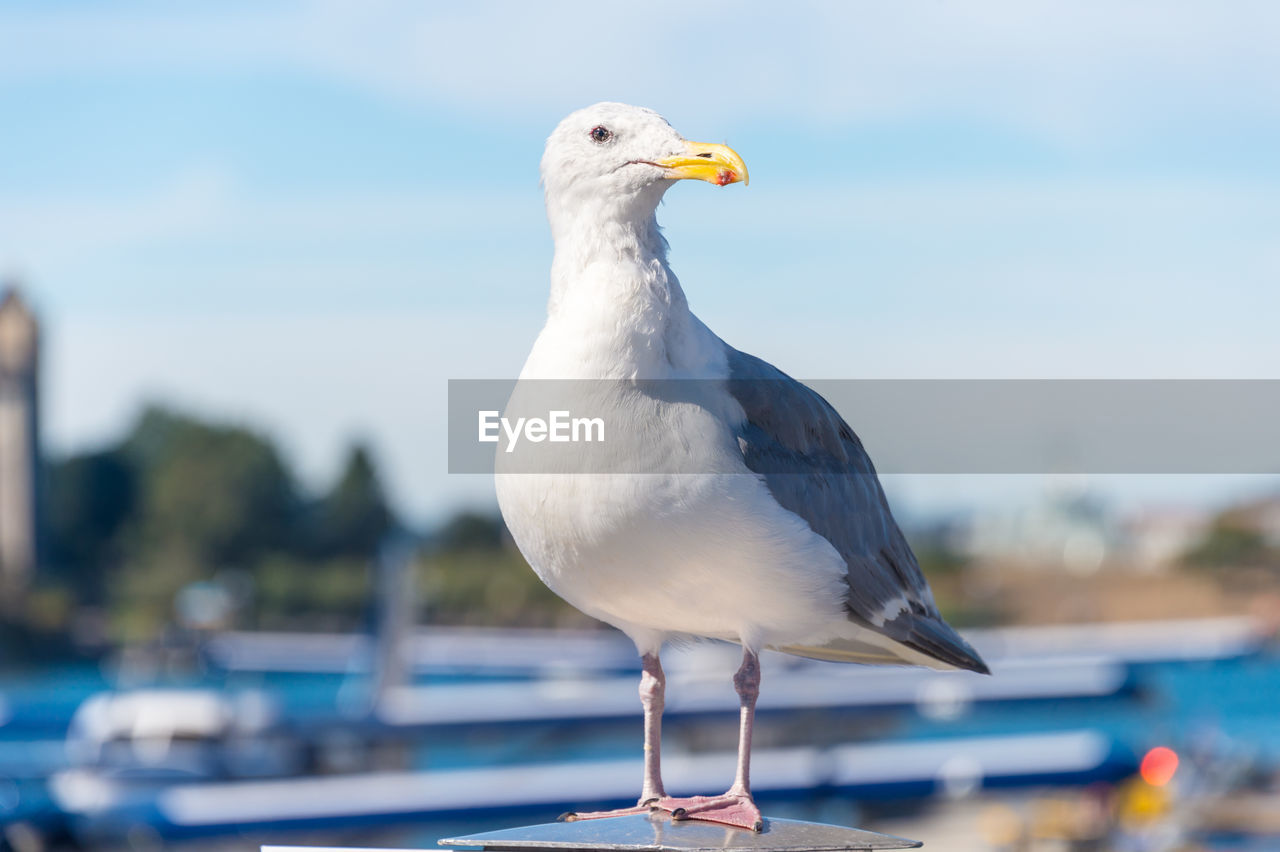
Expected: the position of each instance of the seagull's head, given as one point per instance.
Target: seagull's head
(617, 160)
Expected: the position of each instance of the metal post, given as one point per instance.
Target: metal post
(657, 832)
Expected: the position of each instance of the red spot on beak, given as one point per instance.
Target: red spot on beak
(725, 177)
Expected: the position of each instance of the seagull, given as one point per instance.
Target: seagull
(739, 506)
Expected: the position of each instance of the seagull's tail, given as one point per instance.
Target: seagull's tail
(926, 641)
(939, 640)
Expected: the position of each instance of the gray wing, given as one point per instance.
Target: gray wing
(815, 466)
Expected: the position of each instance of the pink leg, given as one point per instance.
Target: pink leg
(736, 807)
(653, 690)
(653, 686)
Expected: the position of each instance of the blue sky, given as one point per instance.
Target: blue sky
(310, 216)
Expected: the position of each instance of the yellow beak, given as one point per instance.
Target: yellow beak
(718, 164)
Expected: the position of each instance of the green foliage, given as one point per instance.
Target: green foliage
(354, 517)
(492, 588)
(180, 501)
(293, 593)
(1232, 544)
(89, 499)
(935, 550)
(221, 493)
(939, 560)
(472, 531)
(475, 576)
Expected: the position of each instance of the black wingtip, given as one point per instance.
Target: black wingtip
(972, 659)
(962, 658)
(939, 640)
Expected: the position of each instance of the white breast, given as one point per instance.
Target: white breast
(679, 537)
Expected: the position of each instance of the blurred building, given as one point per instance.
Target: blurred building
(1157, 539)
(19, 446)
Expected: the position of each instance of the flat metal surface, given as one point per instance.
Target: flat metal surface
(657, 832)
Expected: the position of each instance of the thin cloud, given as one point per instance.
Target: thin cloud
(1075, 73)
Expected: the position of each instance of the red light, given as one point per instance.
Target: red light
(1158, 766)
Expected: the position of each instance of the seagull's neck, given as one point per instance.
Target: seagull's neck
(616, 308)
(610, 256)
(614, 299)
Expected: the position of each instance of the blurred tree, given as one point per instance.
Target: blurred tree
(353, 518)
(206, 498)
(310, 594)
(493, 588)
(221, 494)
(948, 571)
(475, 575)
(469, 530)
(935, 547)
(89, 499)
(181, 501)
(1231, 543)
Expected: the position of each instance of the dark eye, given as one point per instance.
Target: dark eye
(601, 134)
